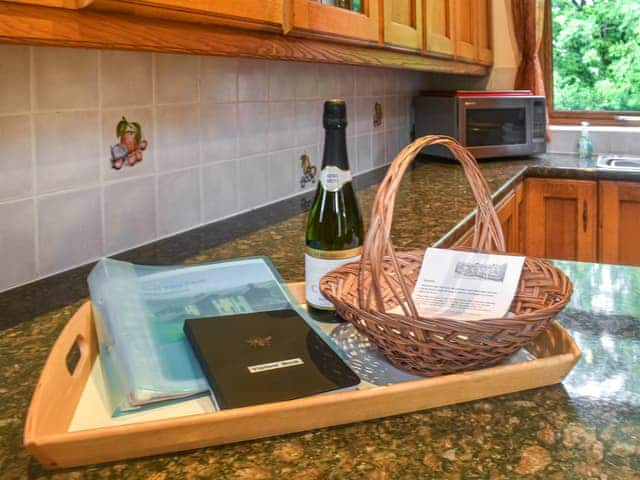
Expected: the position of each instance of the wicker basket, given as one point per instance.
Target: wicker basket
(364, 292)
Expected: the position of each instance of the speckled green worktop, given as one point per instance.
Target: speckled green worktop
(587, 427)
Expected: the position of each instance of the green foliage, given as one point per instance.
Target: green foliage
(596, 54)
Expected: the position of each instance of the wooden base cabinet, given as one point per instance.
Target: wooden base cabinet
(619, 212)
(560, 219)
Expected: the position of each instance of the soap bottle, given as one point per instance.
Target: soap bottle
(585, 147)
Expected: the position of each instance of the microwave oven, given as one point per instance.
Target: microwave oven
(488, 124)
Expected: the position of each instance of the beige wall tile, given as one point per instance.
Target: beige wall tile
(219, 187)
(253, 128)
(179, 201)
(69, 229)
(16, 172)
(282, 125)
(219, 81)
(253, 80)
(129, 213)
(126, 78)
(176, 78)
(65, 78)
(17, 243)
(219, 131)
(306, 75)
(308, 126)
(363, 152)
(110, 119)
(282, 172)
(282, 82)
(253, 173)
(178, 137)
(67, 153)
(15, 70)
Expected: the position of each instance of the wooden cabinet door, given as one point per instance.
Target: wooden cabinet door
(465, 14)
(509, 214)
(403, 23)
(311, 16)
(484, 32)
(247, 12)
(439, 24)
(619, 212)
(560, 219)
(70, 4)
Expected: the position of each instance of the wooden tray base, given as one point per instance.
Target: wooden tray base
(60, 430)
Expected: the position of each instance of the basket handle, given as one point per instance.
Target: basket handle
(487, 233)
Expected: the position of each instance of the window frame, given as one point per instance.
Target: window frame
(573, 117)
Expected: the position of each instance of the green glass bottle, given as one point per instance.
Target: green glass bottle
(335, 231)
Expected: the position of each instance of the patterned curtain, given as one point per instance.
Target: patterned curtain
(528, 22)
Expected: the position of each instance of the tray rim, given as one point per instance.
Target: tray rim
(58, 392)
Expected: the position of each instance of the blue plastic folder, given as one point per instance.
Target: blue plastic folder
(139, 313)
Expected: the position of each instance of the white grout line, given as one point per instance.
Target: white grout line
(34, 175)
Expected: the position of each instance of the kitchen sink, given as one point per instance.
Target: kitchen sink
(619, 162)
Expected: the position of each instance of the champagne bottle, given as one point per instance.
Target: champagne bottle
(335, 230)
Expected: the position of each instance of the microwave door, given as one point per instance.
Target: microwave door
(495, 128)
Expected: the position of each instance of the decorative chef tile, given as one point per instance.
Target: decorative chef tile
(130, 146)
(111, 119)
(378, 115)
(126, 78)
(16, 172)
(15, 96)
(65, 78)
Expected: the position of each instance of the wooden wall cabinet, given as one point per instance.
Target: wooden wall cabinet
(619, 222)
(439, 27)
(560, 219)
(312, 17)
(484, 32)
(403, 23)
(260, 11)
(509, 211)
(465, 14)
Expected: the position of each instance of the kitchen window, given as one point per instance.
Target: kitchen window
(591, 61)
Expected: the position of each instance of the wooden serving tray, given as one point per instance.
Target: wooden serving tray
(48, 437)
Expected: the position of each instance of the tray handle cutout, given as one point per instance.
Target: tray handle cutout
(61, 382)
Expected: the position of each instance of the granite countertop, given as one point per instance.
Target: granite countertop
(586, 427)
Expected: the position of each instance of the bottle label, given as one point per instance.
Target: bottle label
(317, 263)
(333, 178)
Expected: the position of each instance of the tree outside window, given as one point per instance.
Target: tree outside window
(596, 55)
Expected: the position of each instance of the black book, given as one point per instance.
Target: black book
(265, 357)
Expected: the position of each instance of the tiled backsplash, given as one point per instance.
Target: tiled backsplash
(609, 140)
(225, 135)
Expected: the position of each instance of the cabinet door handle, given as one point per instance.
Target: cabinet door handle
(585, 215)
